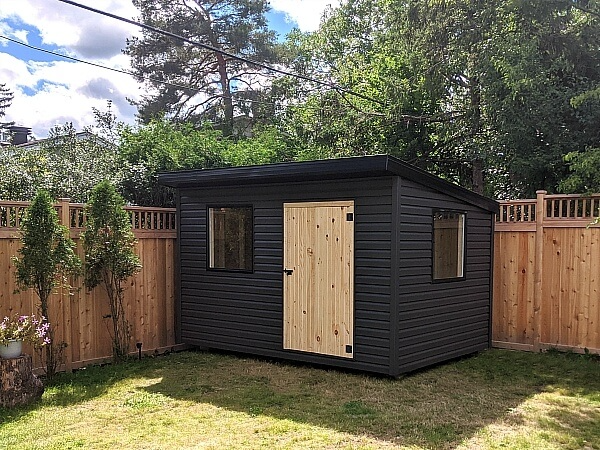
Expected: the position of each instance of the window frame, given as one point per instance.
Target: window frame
(209, 229)
(464, 246)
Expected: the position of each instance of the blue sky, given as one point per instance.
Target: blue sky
(50, 91)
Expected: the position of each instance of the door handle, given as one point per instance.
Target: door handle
(288, 271)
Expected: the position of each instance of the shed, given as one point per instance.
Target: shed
(364, 263)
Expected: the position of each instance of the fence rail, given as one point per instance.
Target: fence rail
(547, 273)
(80, 316)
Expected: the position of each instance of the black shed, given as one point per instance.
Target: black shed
(366, 263)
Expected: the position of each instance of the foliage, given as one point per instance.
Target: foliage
(466, 89)
(24, 328)
(267, 145)
(67, 164)
(21, 173)
(204, 85)
(76, 162)
(110, 259)
(350, 50)
(106, 124)
(584, 165)
(584, 176)
(164, 146)
(46, 258)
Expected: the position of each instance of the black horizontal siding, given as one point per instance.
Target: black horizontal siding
(244, 311)
(440, 320)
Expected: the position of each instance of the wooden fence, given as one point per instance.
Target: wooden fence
(547, 274)
(80, 316)
(546, 279)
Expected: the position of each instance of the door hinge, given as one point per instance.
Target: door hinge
(349, 217)
(348, 349)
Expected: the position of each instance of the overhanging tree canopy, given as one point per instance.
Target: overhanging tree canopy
(469, 88)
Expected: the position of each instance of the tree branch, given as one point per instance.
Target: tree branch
(585, 10)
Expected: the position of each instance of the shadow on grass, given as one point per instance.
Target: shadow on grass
(440, 407)
(68, 389)
(436, 408)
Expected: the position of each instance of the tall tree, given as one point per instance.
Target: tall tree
(511, 69)
(6, 98)
(464, 88)
(205, 84)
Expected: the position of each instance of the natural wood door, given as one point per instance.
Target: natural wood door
(318, 278)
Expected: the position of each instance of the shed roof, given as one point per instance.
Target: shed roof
(327, 169)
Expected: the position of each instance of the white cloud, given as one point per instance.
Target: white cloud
(70, 27)
(7, 30)
(12, 70)
(52, 93)
(48, 94)
(306, 13)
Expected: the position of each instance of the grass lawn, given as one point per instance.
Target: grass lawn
(497, 399)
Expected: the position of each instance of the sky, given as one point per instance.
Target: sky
(49, 90)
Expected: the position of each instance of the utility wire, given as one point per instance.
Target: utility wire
(224, 52)
(147, 78)
(87, 62)
(402, 117)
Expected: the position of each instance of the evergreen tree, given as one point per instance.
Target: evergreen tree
(209, 83)
(110, 259)
(47, 258)
(6, 98)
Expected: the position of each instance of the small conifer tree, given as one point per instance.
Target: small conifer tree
(110, 258)
(46, 259)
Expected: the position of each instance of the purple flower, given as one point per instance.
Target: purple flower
(24, 328)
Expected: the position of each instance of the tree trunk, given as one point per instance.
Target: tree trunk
(18, 384)
(227, 99)
(477, 176)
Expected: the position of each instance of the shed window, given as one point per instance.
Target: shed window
(230, 238)
(448, 245)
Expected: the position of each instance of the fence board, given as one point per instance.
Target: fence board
(80, 318)
(568, 265)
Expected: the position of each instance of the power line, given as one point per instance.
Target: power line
(146, 78)
(224, 52)
(401, 117)
(88, 62)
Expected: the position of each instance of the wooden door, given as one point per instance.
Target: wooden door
(318, 278)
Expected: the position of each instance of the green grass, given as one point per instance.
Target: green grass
(195, 400)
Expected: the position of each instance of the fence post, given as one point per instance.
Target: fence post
(540, 214)
(65, 297)
(64, 212)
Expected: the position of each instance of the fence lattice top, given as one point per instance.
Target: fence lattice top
(574, 207)
(72, 215)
